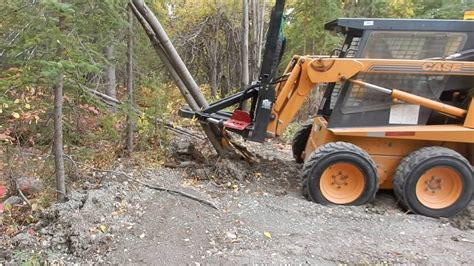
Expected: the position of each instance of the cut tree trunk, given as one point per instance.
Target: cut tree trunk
(171, 53)
(164, 59)
(175, 64)
(111, 88)
(130, 122)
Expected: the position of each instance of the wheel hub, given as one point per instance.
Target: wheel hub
(439, 187)
(433, 184)
(342, 183)
(339, 179)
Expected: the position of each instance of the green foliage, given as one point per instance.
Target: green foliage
(305, 27)
(443, 9)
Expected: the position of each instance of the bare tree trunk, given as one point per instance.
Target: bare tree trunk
(171, 53)
(261, 41)
(255, 33)
(175, 65)
(110, 72)
(214, 80)
(245, 44)
(130, 123)
(165, 60)
(58, 129)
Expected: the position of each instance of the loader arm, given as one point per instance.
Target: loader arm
(304, 73)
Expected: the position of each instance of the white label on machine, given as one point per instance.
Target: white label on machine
(266, 104)
(369, 23)
(406, 114)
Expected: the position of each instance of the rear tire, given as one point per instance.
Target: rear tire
(434, 181)
(340, 173)
(298, 144)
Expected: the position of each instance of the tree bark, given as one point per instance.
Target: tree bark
(255, 34)
(58, 128)
(164, 59)
(175, 65)
(245, 44)
(261, 41)
(110, 71)
(171, 53)
(130, 122)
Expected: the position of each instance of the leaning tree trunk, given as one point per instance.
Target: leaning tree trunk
(111, 88)
(165, 60)
(58, 129)
(130, 123)
(178, 69)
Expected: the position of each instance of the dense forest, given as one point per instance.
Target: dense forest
(80, 56)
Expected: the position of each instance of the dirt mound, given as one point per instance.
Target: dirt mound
(83, 227)
(266, 164)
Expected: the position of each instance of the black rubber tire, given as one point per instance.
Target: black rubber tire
(334, 152)
(298, 144)
(412, 167)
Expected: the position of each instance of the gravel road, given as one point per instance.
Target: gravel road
(260, 218)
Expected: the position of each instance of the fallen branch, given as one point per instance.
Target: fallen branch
(171, 191)
(22, 196)
(168, 125)
(180, 165)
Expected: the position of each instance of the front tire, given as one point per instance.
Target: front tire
(434, 181)
(340, 173)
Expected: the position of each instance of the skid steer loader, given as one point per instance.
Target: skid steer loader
(397, 112)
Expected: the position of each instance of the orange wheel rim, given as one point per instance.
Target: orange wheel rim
(439, 187)
(342, 183)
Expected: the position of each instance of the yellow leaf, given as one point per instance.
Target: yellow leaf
(8, 207)
(34, 207)
(27, 106)
(17, 101)
(103, 228)
(267, 234)
(5, 105)
(1, 111)
(15, 115)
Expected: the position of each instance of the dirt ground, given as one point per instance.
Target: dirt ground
(261, 217)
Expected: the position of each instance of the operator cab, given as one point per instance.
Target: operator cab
(411, 39)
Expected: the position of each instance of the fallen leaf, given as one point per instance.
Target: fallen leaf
(16, 115)
(2, 208)
(267, 234)
(7, 207)
(103, 228)
(34, 207)
(31, 232)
